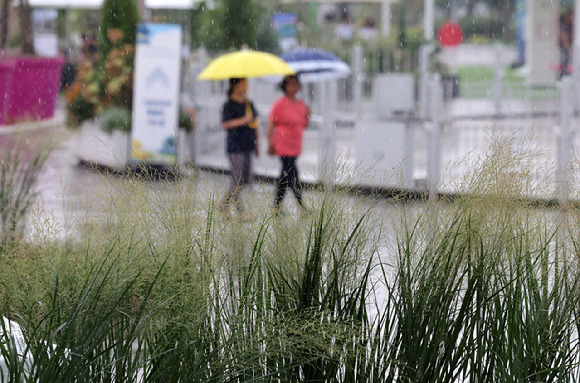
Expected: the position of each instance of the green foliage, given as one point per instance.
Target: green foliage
(309, 30)
(96, 90)
(477, 81)
(80, 110)
(84, 336)
(151, 285)
(267, 38)
(233, 24)
(115, 118)
(492, 28)
(19, 170)
(118, 14)
(197, 15)
(185, 121)
(238, 23)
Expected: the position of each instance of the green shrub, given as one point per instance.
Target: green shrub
(492, 28)
(115, 119)
(185, 121)
(118, 14)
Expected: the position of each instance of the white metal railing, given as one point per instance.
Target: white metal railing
(451, 130)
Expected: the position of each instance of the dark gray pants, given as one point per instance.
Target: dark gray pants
(240, 168)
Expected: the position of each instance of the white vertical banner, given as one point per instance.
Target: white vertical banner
(156, 93)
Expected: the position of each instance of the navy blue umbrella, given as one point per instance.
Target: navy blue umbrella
(313, 64)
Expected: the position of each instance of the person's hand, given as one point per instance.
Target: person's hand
(257, 150)
(248, 118)
(192, 114)
(271, 150)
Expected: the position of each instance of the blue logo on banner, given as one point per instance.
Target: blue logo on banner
(158, 75)
(143, 34)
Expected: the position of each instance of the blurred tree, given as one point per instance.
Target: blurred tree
(232, 24)
(502, 14)
(402, 35)
(470, 7)
(309, 32)
(506, 11)
(414, 11)
(237, 23)
(4, 23)
(61, 21)
(267, 39)
(26, 32)
(195, 22)
(119, 14)
(141, 8)
(445, 6)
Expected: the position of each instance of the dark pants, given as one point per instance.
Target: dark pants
(564, 61)
(288, 178)
(241, 164)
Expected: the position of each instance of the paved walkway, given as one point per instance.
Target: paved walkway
(68, 189)
(63, 175)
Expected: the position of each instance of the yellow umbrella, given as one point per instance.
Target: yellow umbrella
(243, 64)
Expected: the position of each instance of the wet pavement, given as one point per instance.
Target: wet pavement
(65, 184)
(68, 188)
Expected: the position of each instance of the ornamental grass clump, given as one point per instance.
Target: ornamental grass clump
(153, 284)
(22, 161)
(483, 288)
(201, 297)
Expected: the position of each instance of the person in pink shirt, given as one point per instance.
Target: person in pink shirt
(287, 121)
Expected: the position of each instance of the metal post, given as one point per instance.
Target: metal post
(322, 131)
(424, 53)
(497, 81)
(434, 128)
(564, 138)
(385, 17)
(576, 56)
(429, 20)
(408, 179)
(327, 134)
(331, 126)
(201, 98)
(357, 78)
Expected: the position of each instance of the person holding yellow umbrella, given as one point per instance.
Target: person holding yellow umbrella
(239, 116)
(240, 121)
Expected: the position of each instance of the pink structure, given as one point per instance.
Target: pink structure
(33, 88)
(6, 72)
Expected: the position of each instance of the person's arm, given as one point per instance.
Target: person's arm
(270, 137)
(237, 122)
(257, 142)
(270, 131)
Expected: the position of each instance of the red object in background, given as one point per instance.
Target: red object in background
(450, 34)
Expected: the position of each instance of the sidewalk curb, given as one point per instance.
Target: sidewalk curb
(29, 126)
